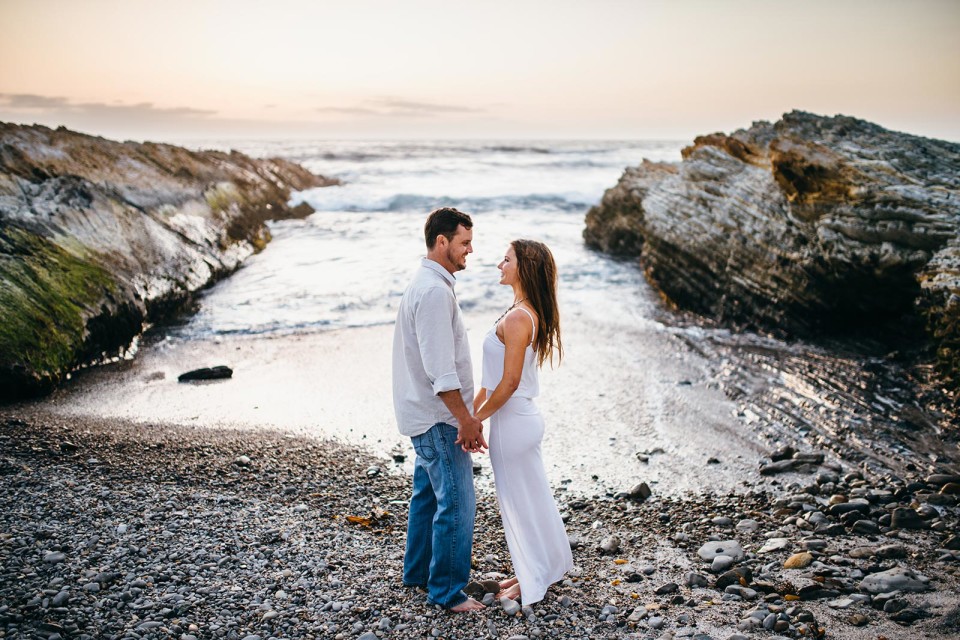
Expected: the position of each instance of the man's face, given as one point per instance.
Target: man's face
(459, 246)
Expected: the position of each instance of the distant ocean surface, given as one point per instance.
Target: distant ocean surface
(347, 264)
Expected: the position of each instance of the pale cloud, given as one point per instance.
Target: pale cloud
(399, 108)
(59, 106)
(30, 101)
(351, 111)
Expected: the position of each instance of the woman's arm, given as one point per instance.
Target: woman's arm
(516, 336)
(479, 400)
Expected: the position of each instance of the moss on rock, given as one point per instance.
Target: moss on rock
(46, 297)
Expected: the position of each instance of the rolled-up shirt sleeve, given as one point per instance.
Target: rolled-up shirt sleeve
(434, 325)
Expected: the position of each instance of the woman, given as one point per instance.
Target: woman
(518, 344)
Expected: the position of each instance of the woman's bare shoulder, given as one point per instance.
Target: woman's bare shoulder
(517, 322)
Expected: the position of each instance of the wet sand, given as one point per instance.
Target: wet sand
(627, 385)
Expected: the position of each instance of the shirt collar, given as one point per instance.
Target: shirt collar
(435, 266)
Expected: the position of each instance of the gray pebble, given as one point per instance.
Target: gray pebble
(510, 607)
(721, 563)
(712, 549)
(610, 545)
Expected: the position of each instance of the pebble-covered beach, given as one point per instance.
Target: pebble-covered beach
(111, 529)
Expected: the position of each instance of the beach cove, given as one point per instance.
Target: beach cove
(255, 476)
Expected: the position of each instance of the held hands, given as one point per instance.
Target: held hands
(470, 435)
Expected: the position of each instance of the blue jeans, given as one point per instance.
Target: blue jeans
(440, 523)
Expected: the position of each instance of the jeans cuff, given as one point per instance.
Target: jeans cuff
(460, 598)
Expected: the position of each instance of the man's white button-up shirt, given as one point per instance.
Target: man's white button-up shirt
(431, 352)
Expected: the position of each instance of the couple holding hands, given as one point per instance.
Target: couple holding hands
(432, 390)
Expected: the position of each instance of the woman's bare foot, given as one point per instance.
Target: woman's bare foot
(467, 605)
(509, 582)
(512, 592)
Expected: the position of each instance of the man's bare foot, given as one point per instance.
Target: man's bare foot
(467, 605)
(512, 592)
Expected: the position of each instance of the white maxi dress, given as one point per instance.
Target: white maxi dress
(538, 543)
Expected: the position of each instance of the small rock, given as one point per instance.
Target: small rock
(712, 549)
(783, 453)
(858, 619)
(740, 575)
(798, 560)
(721, 563)
(693, 580)
(842, 603)
(906, 518)
(891, 552)
(894, 604)
(775, 544)
(670, 587)
(610, 545)
(744, 592)
(640, 492)
(490, 586)
(909, 616)
(748, 525)
(951, 488)
(510, 607)
(781, 466)
(865, 527)
(207, 373)
(896, 579)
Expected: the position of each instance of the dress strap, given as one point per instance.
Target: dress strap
(532, 322)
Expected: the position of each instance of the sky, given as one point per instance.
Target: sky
(517, 69)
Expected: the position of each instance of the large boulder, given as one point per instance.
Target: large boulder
(99, 237)
(808, 226)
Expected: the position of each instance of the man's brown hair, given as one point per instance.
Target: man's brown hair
(444, 221)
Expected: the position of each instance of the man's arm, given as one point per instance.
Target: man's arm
(432, 320)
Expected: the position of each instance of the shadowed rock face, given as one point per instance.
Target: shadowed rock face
(807, 226)
(98, 237)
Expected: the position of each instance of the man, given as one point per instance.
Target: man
(432, 388)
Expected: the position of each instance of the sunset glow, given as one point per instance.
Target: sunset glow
(425, 69)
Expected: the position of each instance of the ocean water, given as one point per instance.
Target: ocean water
(347, 264)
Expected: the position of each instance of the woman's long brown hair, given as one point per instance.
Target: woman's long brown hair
(538, 277)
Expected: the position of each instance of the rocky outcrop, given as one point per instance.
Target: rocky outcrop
(808, 226)
(99, 237)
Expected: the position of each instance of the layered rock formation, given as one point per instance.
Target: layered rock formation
(805, 226)
(98, 238)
